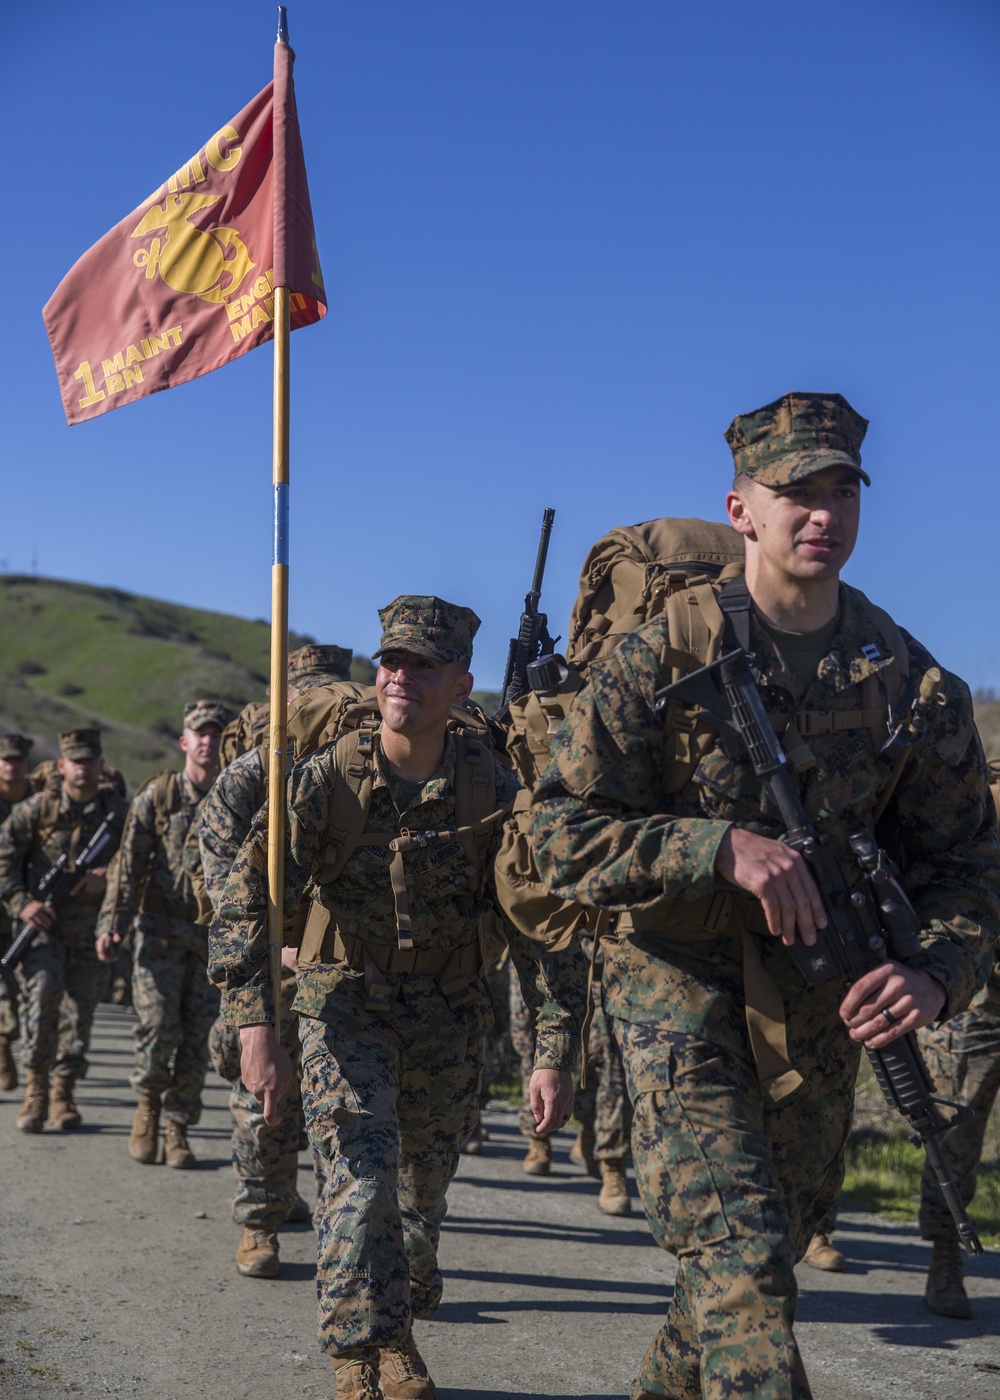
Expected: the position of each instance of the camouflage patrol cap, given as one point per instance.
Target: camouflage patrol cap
(199, 712)
(80, 744)
(318, 665)
(795, 436)
(15, 745)
(427, 626)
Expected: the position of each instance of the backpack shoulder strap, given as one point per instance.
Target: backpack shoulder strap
(48, 817)
(353, 775)
(475, 800)
(166, 799)
(734, 604)
(475, 781)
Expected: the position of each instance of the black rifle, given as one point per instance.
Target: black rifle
(56, 886)
(865, 926)
(532, 640)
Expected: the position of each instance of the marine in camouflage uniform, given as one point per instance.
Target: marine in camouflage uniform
(602, 1107)
(265, 1156)
(46, 775)
(963, 1058)
(15, 786)
(157, 885)
(391, 1039)
(734, 1179)
(61, 960)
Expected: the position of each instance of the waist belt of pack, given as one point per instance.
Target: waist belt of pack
(456, 970)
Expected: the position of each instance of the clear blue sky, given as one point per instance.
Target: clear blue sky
(564, 243)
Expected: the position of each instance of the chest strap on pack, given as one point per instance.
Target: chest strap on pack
(419, 841)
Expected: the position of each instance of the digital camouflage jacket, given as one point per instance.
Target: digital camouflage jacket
(27, 850)
(227, 816)
(605, 834)
(444, 910)
(153, 873)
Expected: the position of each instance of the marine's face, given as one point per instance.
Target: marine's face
(804, 531)
(202, 744)
(81, 777)
(415, 693)
(13, 770)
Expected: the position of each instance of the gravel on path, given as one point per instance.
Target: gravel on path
(118, 1279)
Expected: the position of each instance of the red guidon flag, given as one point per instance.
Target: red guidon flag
(186, 282)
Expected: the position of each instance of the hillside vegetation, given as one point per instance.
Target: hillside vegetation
(73, 655)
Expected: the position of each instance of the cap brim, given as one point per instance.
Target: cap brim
(443, 654)
(799, 465)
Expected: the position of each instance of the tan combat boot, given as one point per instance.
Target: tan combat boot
(8, 1069)
(35, 1108)
(473, 1144)
(614, 1198)
(299, 1213)
(824, 1254)
(63, 1112)
(403, 1372)
(356, 1378)
(144, 1137)
(176, 1152)
(581, 1154)
(257, 1255)
(945, 1292)
(538, 1158)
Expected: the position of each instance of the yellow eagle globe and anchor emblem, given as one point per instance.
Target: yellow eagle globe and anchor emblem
(208, 263)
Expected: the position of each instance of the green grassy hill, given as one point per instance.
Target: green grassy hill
(75, 655)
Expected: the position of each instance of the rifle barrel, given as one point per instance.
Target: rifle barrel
(548, 516)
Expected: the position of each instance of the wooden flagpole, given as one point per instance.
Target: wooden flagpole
(277, 760)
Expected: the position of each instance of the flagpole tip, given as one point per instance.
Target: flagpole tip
(282, 24)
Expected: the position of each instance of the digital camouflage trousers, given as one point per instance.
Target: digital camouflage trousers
(734, 1185)
(603, 1105)
(9, 1024)
(389, 1099)
(176, 1006)
(54, 1036)
(265, 1156)
(963, 1057)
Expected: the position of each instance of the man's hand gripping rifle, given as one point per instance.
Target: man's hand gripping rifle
(867, 925)
(60, 882)
(532, 640)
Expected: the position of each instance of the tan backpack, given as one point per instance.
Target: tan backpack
(632, 574)
(629, 576)
(244, 732)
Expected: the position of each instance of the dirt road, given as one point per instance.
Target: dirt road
(117, 1279)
